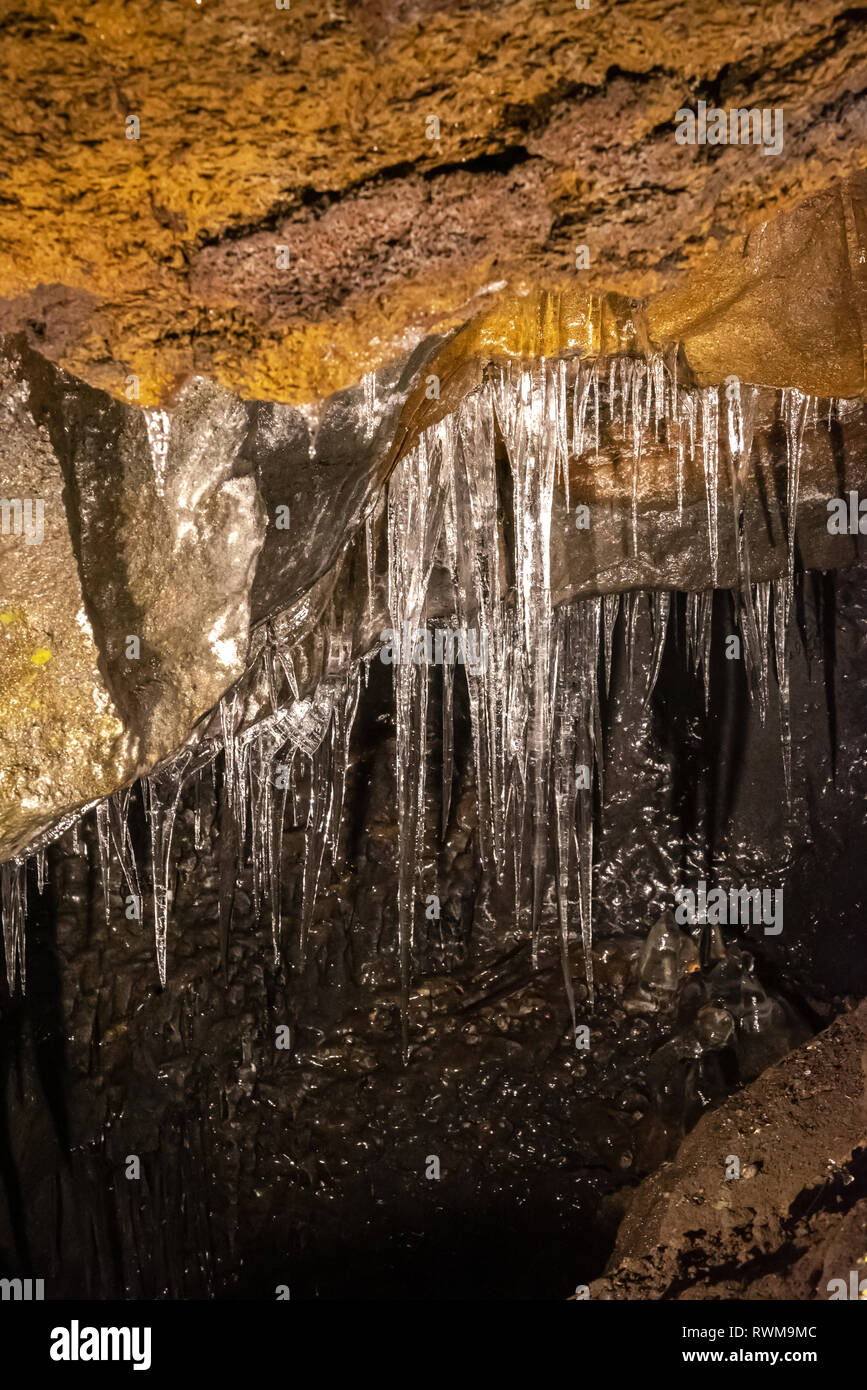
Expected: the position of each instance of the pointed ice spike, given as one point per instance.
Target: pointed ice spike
(288, 665)
(345, 710)
(370, 551)
(596, 410)
(685, 431)
(198, 841)
(761, 605)
(163, 792)
(102, 832)
(780, 608)
(228, 719)
(705, 641)
(660, 606)
(118, 817)
(41, 870)
(275, 891)
(692, 602)
(417, 492)
(710, 457)
(565, 788)
(638, 374)
(448, 744)
(473, 548)
(795, 408)
(530, 439)
(630, 618)
(316, 837)
(611, 607)
(271, 677)
(584, 378)
(13, 899)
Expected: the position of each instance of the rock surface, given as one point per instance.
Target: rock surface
(308, 127)
(794, 1220)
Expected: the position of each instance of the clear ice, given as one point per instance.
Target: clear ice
(534, 698)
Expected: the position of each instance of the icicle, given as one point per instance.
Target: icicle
(595, 425)
(276, 854)
(660, 606)
(630, 619)
(691, 629)
(638, 373)
(710, 456)
(198, 838)
(259, 781)
(530, 440)
(625, 365)
(448, 744)
(228, 720)
(41, 870)
(795, 408)
(761, 604)
(13, 897)
(705, 641)
(741, 411)
(589, 756)
(271, 675)
(118, 819)
(577, 752)
(699, 626)
(685, 423)
(610, 609)
(558, 384)
(370, 549)
(584, 378)
(345, 710)
(780, 610)
(565, 789)
(655, 392)
(102, 833)
(162, 794)
(416, 503)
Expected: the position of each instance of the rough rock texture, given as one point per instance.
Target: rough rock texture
(308, 127)
(797, 1216)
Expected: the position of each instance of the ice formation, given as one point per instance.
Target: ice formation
(534, 704)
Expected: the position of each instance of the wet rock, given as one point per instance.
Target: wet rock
(693, 1232)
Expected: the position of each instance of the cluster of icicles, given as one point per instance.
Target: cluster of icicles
(534, 707)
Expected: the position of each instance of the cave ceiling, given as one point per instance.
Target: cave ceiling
(421, 163)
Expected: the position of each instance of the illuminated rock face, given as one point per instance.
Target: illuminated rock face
(403, 206)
